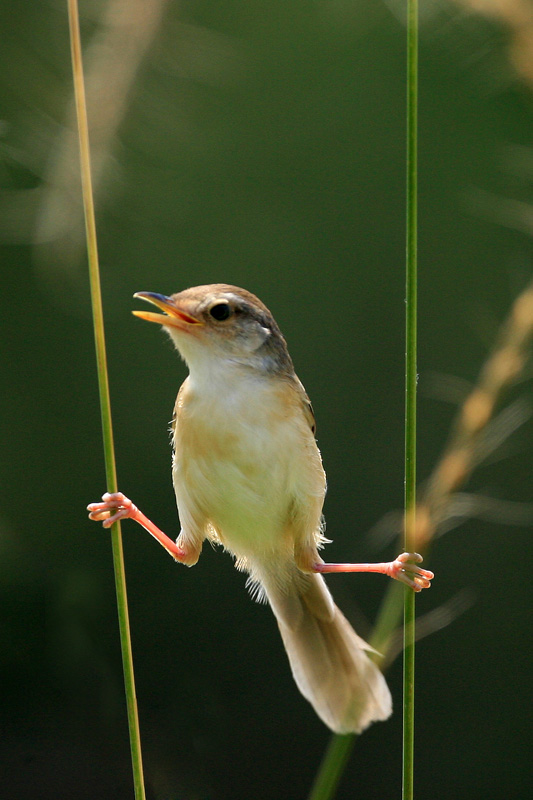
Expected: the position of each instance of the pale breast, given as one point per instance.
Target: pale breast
(246, 463)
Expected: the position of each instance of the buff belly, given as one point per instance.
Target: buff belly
(241, 475)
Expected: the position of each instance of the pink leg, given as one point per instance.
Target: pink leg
(125, 509)
(402, 569)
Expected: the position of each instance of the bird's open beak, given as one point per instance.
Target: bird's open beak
(174, 317)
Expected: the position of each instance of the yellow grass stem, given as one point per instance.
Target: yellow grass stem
(105, 405)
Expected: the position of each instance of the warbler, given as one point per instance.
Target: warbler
(248, 475)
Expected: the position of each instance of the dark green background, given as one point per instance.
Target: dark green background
(262, 144)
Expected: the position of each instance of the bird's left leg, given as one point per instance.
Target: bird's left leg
(117, 506)
(404, 568)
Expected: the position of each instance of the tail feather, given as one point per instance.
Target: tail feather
(327, 658)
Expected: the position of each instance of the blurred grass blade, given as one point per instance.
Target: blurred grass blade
(332, 766)
(105, 405)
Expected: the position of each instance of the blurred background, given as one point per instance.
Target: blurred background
(261, 144)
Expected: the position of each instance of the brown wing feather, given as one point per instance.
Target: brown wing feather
(307, 408)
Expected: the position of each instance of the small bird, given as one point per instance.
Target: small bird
(248, 475)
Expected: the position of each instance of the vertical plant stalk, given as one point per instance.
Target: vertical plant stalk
(105, 404)
(410, 394)
(340, 747)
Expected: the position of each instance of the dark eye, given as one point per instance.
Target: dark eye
(220, 311)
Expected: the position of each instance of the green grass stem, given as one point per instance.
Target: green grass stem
(410, 394)
(105, 404)
(339, 749)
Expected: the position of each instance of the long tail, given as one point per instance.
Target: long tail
(328, 659)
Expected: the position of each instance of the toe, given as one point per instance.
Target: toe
(415, 558)
(405, 578)
(98, 514)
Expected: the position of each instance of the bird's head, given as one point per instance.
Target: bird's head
(220, 323)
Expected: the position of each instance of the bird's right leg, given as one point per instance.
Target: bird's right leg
(117, 506)
(404, 569)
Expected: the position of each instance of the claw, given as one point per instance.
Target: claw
(405, 570)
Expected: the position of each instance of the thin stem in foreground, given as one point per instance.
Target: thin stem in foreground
(410, 394)
(105, 404)
(340, 747)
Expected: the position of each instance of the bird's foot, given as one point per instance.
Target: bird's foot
(116, 506)
(116, 502)
(406, 570)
